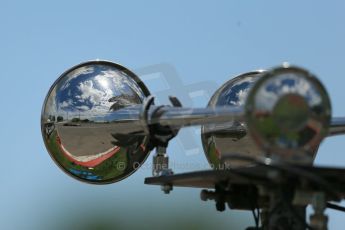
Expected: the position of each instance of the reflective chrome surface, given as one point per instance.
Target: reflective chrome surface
(337, 126)
(288, 113)
(183, 117)
(80, 122)
(220, 140)
(297, 103)
(97, 128)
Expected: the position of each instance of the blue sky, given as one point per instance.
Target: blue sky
(199, 42)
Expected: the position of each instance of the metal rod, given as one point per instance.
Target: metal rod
(128, 120)
(337, 126)
(182, 117)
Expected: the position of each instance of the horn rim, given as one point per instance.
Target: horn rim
(91, 62)
(261, 142)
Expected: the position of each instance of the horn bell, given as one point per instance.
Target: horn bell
(80, 124)
(287, 115)
(220, 140)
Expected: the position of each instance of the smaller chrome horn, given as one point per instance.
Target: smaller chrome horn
(288, 113)
(221, 139)
(99, 122)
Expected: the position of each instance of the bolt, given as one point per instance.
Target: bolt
(167, 188)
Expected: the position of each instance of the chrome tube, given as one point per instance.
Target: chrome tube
(127, 121)
(182, 117)
(337, 126)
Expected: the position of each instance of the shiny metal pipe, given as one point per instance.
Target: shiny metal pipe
(337, 126)
(182, 117)
(127, 121)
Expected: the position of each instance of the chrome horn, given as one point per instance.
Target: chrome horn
(272, 99)
(99, 122)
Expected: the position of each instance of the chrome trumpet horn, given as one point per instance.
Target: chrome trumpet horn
(77, 122)
(219, 139)
(99, 122)
(272, 99)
